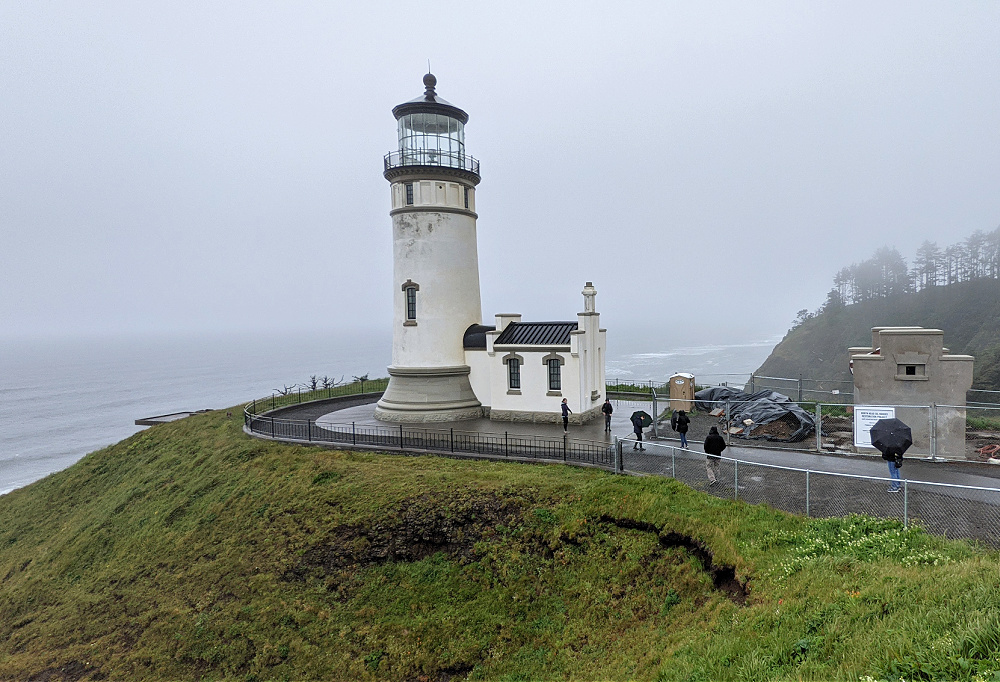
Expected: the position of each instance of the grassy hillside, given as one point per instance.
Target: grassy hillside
(190, 551)
(968, 312)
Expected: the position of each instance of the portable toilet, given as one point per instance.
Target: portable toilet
(682, 392)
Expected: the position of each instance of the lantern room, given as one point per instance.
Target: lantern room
(431, 133)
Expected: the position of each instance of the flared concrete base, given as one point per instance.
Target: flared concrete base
(428, 394)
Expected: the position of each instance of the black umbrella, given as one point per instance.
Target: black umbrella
(646, 419)
(891, 436)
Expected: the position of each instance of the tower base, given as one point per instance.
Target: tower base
(428, 394)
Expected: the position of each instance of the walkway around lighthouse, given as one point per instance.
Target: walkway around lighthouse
(952, 499)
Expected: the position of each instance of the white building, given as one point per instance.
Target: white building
(446, 365)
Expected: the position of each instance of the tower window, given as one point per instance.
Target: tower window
(555, 375)
(514, 373)
(467, 197)
(411, 303)
(409, 194)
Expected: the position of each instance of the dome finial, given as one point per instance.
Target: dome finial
(429, 82)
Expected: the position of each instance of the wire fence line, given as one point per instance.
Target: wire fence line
(955, 511)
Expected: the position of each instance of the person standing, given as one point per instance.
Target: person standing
(637, 428)
(714, 445)
(607, 409)
(682, 427)
(895, 460)
(565, 415)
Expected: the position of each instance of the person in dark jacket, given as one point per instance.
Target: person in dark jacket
(637, 427)
(682, 427)
(565, 415)
(607, 409)
(714, 445)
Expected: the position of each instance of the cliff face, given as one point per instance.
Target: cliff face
(968, 312)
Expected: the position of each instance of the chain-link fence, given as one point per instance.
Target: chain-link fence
(940, 508)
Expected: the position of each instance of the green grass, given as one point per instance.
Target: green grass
(190, 551)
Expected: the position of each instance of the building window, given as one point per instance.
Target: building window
(409, 194)
(467, 197)
(514, 373)
(911, 370)
(411, 303)
(555, 375)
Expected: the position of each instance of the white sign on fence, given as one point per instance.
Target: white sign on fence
(865, 417)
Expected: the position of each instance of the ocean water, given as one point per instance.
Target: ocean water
(61, 399)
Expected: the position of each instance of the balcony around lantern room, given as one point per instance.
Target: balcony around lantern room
(431, 157)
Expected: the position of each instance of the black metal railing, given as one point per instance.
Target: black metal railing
(431, 157)
(498, 445)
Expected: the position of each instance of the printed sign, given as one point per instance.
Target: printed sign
(865, 417)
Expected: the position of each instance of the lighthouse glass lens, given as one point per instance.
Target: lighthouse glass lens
(431, 139)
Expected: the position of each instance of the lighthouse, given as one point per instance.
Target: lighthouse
(435, 286)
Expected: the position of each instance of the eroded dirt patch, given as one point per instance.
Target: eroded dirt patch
(418, 528)
(70, 672)
(723, 576)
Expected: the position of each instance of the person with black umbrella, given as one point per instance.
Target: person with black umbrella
(892, 438)
(639, 420)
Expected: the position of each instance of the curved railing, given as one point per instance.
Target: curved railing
(431, 157)
(948, 509)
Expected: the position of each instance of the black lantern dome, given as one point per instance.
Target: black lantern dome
(431, 134)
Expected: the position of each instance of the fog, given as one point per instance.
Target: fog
(203, 167)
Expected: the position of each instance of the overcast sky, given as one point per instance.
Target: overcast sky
(217, 166)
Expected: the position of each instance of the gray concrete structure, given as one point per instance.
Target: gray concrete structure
(910, 366)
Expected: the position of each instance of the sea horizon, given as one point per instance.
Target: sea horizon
(62, 398)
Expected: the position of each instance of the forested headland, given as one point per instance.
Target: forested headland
(954, 288)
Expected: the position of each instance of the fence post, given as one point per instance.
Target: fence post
(564, 446)
(400, 436)
(506, 446)
(453, 439)
(673, 464)
(354, 434)
(309, 430)
(819, 429)
(807, 493)
(933, 431)
(751, 382)
(728, 417)
(906, 503)
(800, 388)
(300, 394)
(656, 412)
(254, 406)
(272, 427)
(736, 479)
(618, 455)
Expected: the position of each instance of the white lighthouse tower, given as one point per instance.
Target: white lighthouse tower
(435, 263)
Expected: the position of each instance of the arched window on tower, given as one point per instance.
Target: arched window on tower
(410, 289)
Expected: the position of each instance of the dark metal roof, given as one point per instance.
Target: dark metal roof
(537, 333)
(429, 103)
(475, 336)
